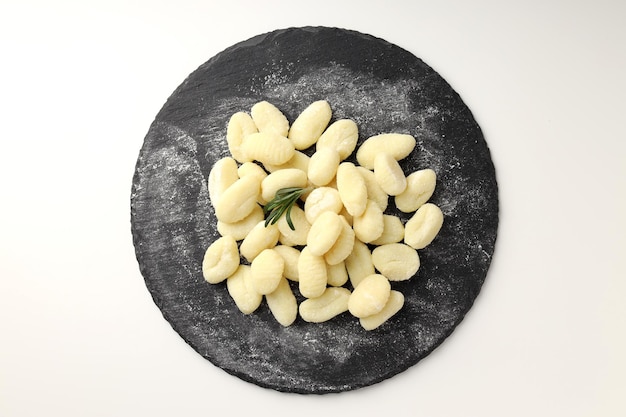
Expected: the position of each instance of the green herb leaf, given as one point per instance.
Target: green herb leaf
(282, 203)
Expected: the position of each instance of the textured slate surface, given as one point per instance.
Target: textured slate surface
(384, 89)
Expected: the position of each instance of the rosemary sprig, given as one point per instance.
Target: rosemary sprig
(282, 203)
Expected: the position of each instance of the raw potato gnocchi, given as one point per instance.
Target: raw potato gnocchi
(331, 303)
(290, 177)
(240, 125)
(267, 271)
(341, 136)
(370, 296)
(396, 261)
(268, 118)
(324, 233)
(221, 260)
(399, 146)
(239, 286)
(237, 201)
(352, 189)
(267, 148)
(323, 166)
(337, 251)
(310, 124)
(283, 304)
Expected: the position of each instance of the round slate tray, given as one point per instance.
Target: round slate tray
(384, 89)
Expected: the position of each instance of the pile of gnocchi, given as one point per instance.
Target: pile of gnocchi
(335, 241)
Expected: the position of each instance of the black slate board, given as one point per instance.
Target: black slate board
(384, 89)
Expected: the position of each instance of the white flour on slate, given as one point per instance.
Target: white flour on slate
(376, 107)
(373, 105)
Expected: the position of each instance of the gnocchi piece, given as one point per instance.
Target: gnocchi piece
(221, 260)
(374, 190)
(223, 174)
(359, 263)
(255, 170)
(393, 305)
(421, 229)
(267, 148)
(290, 255)
(259, 238)
(239, 230)
(396, 261)
(323, 166)
(342, 136)
(324, 233)
(289, 236)
(369, 225)
(342, 247)
(290, 177)
(331, 303)
(299, 160)
(393, 231)
(351, 188)
(337, 274)
(250, 168)
(320, 200)
(420, 187)
(389, 174)
(240, 288)
(267, 271)
(238, 200)
(370, 296)
(283, 304)
(268, 118)
(239, 126)
(395, 144)
(312, 274)
(310, 124)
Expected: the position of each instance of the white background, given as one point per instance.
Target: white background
(80, 83)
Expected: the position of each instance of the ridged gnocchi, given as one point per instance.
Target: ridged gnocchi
(267, 148)
(312, 274)
(331, 242)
